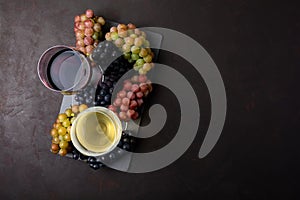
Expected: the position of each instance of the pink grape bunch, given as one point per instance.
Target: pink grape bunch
(130, 99)
(87, 28)
(134, 45)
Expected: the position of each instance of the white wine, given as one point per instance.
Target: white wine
(96, 131)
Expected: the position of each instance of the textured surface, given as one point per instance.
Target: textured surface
(255, 44)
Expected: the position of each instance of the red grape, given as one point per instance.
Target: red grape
(122, 116)
(135, 88)
(81, 26)
(82, 49)
(127, 85)
(112, 108)
(88, 23)
(89, 13)
(79, 34)
(140, 102)
(83, 17)
(139, 95)
(89, 49)
(130, 113)
(135, 115)
(97, 27)
(80, 43)
(123, 107)
(135, 78)
(142, 78)
(143, 87)
(130, 95)
(125, 101)
(133, 104)
(88, 32)
(77, 18)
(88, 40)
(77, 24)
(131, 26)
(118, 102)
(122, 94)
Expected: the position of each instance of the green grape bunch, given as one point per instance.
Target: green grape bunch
(134, 45)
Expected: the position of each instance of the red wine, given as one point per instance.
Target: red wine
(65, 70)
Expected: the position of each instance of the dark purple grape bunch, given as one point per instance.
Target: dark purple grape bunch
(94, 163)
(91, 161)
(127, 141)
(111, 76)
(105, 53)
(86, 96)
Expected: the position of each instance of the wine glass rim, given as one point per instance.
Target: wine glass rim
(116, 121)
(39, 68)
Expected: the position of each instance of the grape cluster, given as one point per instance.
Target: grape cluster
(111, 76)
(105, 53)
(92, 161)
(60, 132)
(87, 28)
(130, 98)
(86, 96)
(134, 45)
(127, 143)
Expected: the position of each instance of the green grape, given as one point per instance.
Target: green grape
(72, 120)
(119, 42)
(61, 138)
(63, 144)
(97, 27)
(66, 123)
(129, 41)
(54, 133)
(55, 140)
(130, 31)
(127, 55)
(101, 20)
(143, 52)
(130, 60)
(140, 62)
(82, 107)
(146, 43)
(108, 36)
(135, 49)
(114, 35)
(83, 17)
(62, 130)
(95, 35)
(133, 35)
(148, 58)
(68, 112)
(67, 137)
(141, 71)
(138, 41)
(62, 117)
(126, 48)
(136, 67)
(134, 56)
(63, 152)
(147, 67)
(122, 33)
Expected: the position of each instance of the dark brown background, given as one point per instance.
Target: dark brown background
(255, 44)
